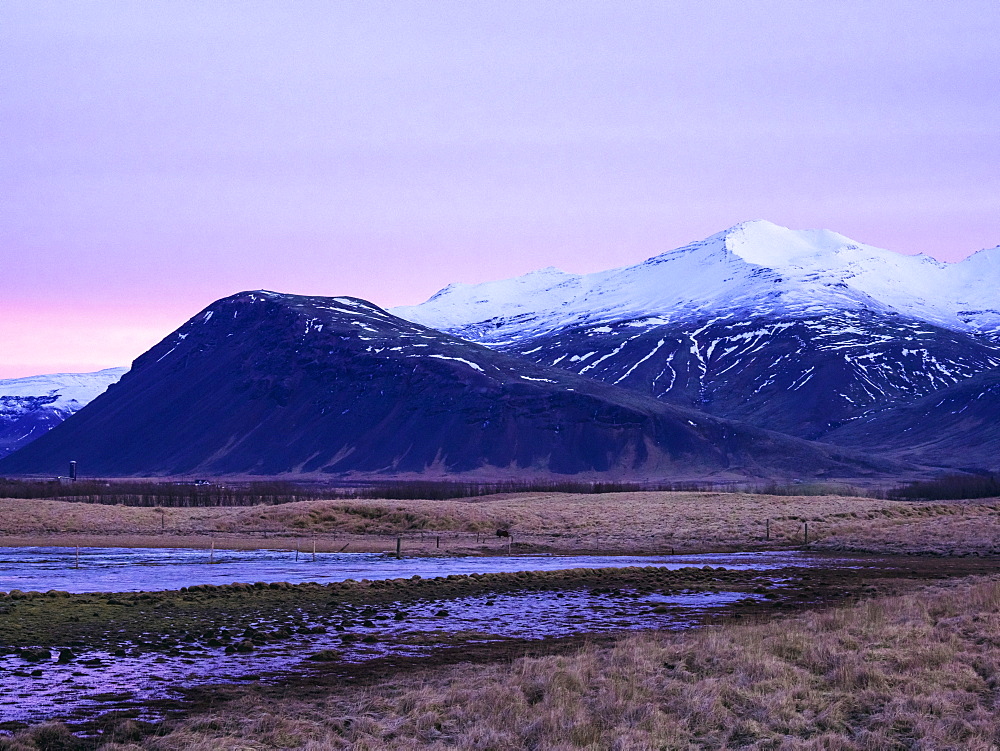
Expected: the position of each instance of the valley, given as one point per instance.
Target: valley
(415, 376)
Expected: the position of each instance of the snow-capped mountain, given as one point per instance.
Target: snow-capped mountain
(802, 376)
(755, 269)
(31, 406)
(265, 383)
(797, 331)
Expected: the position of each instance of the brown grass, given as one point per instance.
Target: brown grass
(615, 522)
(919, 671)
(946, 529)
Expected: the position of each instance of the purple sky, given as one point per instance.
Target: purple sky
(159, 155)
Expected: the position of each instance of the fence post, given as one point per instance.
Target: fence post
(399, 547)
(807, 533)
(767, 528)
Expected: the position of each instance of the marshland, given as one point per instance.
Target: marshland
(859, 622)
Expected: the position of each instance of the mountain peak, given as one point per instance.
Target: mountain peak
(767, 244)
(762, 225)
(32, 405)
(756, 268)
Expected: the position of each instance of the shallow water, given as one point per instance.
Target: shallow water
(78, 690)
(96, 681)
(151, 569)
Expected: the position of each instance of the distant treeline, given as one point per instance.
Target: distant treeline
(170, 495)
(814, 488)
(442, 490)
(949, 487)
(191, 494)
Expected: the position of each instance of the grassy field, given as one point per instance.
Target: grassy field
(562, 522)
(918, 671)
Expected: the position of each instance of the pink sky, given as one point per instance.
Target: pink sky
(159, 155)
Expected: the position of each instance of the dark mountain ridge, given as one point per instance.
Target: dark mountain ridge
(261, 383)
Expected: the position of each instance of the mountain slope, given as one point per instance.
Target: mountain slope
(956, 427)
(263, 383)
(29, 407)
(802, 376)
(795, 331)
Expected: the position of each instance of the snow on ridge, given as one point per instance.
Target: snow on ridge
(754, 268)
(71, 390)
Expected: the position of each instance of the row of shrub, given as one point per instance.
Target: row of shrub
(949, 487)
(445, 489)
(814, 488)
(159, 493)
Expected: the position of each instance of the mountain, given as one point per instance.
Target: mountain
(755, 269)
(802, 376)
(29, 407)
(957, 427)
(796, 331)
(262, 383)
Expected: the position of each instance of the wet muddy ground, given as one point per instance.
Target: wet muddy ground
(147, 655)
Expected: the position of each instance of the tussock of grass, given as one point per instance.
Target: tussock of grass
(920, 671)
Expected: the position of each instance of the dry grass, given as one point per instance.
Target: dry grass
(920, 671)
(946, 529)
(614, 522)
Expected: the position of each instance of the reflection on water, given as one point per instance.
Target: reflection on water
(149, 569)
(98, 681)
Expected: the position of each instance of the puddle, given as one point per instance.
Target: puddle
(150, 569)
